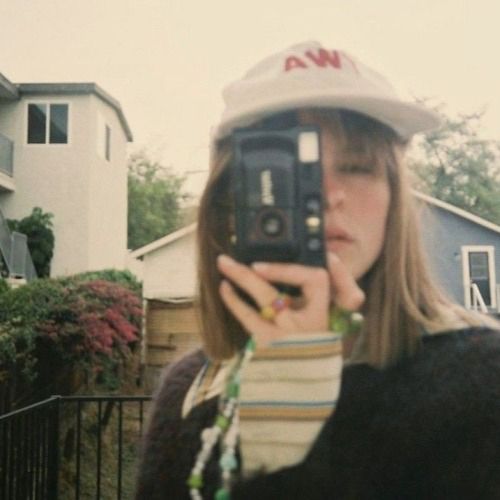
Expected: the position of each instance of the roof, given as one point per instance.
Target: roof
(458, 211)
(165, 240)
(76, 89)
(7, 89)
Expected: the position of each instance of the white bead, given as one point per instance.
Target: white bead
(209, 435)
(195, 494)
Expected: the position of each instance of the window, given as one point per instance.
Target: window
(107, 152)
(47, 123)
(479, 269)
(103, 138)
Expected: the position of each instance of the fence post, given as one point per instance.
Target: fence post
(53, 452)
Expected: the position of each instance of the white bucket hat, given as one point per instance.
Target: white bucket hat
(308, 75)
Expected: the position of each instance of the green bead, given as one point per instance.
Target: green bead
(195, 481)
(228, 462)
(233, 390)
(222, 494)
(222, 422)
(250, 345)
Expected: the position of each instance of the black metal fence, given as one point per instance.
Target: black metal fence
(73, 447)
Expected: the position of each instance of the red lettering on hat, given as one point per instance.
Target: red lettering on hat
(293, 62)
(324, 58)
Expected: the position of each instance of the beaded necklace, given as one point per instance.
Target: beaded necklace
(225, 431)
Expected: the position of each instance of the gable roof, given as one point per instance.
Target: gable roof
(457, 211)
(165, 240)
(33, 89)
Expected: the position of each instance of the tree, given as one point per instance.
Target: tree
(455, 165)
(154, 199)
(38, 228)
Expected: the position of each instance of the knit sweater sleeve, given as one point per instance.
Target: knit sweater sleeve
(288, 391)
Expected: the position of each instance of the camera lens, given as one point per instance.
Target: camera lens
(272, 224)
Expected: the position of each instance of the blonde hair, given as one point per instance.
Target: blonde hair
(402, 299)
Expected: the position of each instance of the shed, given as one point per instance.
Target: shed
(169, 284)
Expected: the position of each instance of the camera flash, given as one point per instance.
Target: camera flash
(308, 147)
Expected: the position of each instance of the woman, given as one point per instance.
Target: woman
(413, 410)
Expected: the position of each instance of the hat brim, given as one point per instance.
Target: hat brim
(405, 118)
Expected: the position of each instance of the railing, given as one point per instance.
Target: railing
(477, 299)
(15, 252)
(71, 447)
(6, 155)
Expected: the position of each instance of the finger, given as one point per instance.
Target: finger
(311, 280)
(245, 278)
(347, 293)
(263, 331)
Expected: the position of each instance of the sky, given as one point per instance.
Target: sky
(167, 61)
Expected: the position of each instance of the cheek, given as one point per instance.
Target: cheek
(373, 210)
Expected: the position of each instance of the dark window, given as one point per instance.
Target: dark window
(108, 143)
(480, 274)
(47, 124)
(58, 124)
(37, 123)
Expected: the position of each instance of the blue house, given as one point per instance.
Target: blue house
(464, 252)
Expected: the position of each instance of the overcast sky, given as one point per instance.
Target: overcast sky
(167, 61)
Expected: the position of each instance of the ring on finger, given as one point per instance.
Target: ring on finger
(280, 303)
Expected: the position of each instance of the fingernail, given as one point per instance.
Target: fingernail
(225, 260)
(260, 266)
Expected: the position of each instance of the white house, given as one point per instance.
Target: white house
(63, 149)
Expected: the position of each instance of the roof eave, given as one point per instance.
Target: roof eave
(8, 91)
(78, 89)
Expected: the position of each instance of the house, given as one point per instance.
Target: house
(463, 249)
(63, 149)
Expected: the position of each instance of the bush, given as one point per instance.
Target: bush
(38, 228)
(125, 278)
(90, 325)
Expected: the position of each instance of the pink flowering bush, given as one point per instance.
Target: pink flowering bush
(89, 325)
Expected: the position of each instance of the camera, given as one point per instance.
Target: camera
(277, 187)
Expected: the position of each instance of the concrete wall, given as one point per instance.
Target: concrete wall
(108, 191)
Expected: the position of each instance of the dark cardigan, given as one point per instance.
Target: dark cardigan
(428, 427)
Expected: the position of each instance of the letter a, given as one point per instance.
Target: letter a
(293, 62)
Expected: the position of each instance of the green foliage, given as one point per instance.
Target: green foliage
(93, 325)
(122, 277)
(38, 228)
(154, 196)
(455, 165)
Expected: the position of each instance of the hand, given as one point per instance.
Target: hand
(320, 289)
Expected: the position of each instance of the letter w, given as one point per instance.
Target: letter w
(324, 58)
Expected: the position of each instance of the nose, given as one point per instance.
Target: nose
(333, 190)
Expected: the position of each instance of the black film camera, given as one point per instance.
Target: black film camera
(277, 181)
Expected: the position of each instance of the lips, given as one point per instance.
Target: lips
(338, 234)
